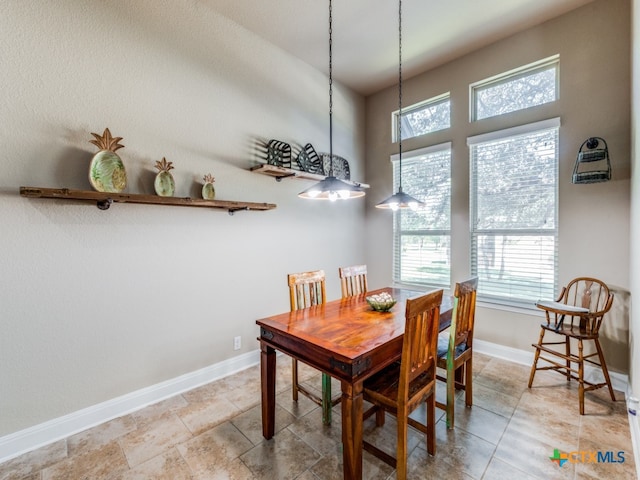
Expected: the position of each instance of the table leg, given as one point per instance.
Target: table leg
(352, 430)
(268, 384)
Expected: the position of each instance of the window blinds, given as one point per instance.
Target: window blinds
(513, 202)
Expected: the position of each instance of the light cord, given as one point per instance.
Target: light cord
(400, 91)
(330, 93)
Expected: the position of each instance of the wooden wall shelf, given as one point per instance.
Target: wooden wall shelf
(280, 172)
(104, 200)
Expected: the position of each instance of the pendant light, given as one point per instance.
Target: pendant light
(331, 188)
(400, 199)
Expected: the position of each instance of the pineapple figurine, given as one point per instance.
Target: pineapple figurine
(208, 190)
(106, 172)
(164, 184)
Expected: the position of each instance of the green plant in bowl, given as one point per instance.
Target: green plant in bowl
(382, 302)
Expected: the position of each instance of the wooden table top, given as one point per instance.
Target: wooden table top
(350, 327)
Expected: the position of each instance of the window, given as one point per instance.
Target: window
(422, 238)
(424, 117)
(513, 199)
(518, 89)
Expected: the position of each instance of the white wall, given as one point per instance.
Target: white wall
(97, 304)
(594, 101)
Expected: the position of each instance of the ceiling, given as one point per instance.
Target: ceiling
(365, 32)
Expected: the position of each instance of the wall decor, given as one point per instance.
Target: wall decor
(308, 164)
(164, 184)
(309, 161)
(279, 153)
(208, 190)
(592, 162)
(340, 166)
(106, 171)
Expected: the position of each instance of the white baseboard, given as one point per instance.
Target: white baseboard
(38, 436)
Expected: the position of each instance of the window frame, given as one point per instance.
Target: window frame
(395, 115)
(505, 77)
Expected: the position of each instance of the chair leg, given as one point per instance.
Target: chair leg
(451, 390)
(326, 399)
(401, 450)
(605, 371)
(535, 358)
(326, 391)
(567, 341)
(468, 382)
(581, 376)
(431, 423)
(294, 378)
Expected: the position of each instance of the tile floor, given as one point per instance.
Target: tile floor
(214, 432)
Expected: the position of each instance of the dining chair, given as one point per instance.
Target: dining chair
(307, 289)
(403, 386)
(577, 314)
(353, 280)
(455, 348)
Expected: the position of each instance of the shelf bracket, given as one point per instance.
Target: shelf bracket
(104, 204)
(231, 211)
(280, 177)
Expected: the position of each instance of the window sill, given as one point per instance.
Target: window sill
(533, 311)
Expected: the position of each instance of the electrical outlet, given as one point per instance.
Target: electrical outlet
(237, 343)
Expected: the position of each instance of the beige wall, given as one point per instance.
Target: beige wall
(594, 101)
(98, 304)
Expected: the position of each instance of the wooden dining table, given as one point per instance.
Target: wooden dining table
(349, 341)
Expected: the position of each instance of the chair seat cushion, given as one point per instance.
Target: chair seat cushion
(443, 346)
(562, 307)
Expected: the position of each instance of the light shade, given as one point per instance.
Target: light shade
(400, 200)
(332, 188)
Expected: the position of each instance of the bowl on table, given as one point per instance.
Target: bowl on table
(382, 302)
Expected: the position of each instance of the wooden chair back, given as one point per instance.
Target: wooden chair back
(590, 293)
(306, 289)
(353, 280)
(419, 348)
(464, 312)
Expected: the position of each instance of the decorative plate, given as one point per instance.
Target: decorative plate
(106, 172)
(208, 191)
(279, 153)
(340, 166)
(308, 160)
(164, 184)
